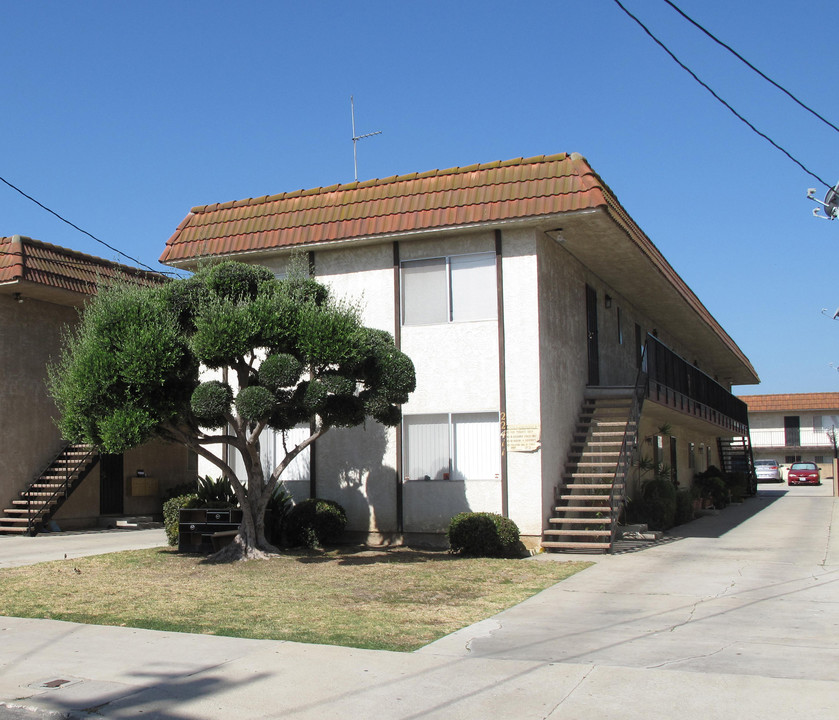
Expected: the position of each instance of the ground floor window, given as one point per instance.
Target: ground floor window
(452, 446)
(273, 444)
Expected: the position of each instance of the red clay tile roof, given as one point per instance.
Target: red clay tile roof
(792, 401)
(519, 189)
(457, 197)
(24, 260)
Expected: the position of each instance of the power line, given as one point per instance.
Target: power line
(719, 99)
(73, 225)
(750, 66)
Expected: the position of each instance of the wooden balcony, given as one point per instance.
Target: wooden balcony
(676, 384)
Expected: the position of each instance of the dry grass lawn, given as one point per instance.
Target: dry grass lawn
(396, 599)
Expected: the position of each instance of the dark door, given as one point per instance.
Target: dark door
(792, 431)
(591, 329)
(110, 485)
(674, 460)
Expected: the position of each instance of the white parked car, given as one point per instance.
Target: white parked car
(767, 471)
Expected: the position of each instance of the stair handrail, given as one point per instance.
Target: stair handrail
(64, 485)
(617, 495)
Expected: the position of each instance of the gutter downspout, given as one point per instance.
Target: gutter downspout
(502, 373)
(397, 338)
(313, 448)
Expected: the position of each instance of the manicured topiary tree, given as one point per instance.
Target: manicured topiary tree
(282, 352)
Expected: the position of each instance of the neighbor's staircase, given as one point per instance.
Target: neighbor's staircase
(48, 491)
(736, 456)
(591, 494)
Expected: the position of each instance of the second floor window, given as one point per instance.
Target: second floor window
(458, 288)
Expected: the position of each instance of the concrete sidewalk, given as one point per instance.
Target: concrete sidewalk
(16, 551)
(740, 618)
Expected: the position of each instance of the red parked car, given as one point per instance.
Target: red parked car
(803, 473)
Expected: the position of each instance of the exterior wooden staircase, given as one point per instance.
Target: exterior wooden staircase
(48, 491)
(736, 456)
(591, 494)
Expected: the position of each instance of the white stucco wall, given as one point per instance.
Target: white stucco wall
(523, 376)
(563, 359)
(457, 372)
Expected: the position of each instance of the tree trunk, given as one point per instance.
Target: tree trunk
(250, 543)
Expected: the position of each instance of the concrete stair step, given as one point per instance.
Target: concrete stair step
(579, 533)
(598, 444)
(559, 545)
(13, 529)
(582, 508)
(589, 486)
(594, 454)
(580, 521)
(14, 520)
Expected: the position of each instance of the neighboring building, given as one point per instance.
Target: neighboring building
(793, 427)
(522, 291)
(42, 287)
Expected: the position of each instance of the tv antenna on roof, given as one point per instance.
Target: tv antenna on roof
(356, 138)
(830, 204)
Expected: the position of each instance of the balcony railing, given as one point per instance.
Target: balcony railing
(807, 437)
(676, 383)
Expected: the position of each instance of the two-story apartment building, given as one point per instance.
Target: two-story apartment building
(792, 427)
(42, 479)
(537, 314)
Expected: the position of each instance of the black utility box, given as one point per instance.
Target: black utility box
(197, 525)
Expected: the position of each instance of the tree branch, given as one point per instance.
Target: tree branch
(195, 445)
(293, 453)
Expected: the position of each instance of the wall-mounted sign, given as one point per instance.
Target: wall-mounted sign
(523, 438)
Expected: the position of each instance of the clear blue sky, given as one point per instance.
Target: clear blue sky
(122, 116)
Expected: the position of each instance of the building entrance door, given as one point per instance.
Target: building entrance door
(591, 328)
(110, 485)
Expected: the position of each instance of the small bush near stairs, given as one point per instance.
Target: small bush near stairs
(484, 534)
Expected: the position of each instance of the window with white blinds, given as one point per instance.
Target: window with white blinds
(459, 288)
(273, 452)
(461, 446)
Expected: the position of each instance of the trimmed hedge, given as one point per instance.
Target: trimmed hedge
(483, 534)
(315, 522)
(171, 510)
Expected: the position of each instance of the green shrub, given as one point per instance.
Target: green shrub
(737, 484)
(171, 510)
(684, 507)
(483, 534)
(659, 503)
(711, 486)
(276, 514)
(315, 522)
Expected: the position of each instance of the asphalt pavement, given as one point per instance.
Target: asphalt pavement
(737, 615)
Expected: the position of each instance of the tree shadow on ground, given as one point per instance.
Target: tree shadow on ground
(155, 693)
(363, 555)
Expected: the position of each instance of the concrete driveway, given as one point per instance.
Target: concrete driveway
(737, 616)
(16, 551)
